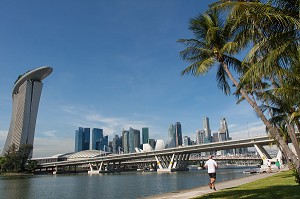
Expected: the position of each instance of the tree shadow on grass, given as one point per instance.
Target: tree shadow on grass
(273, 192)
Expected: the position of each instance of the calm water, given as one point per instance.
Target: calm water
(105, 186)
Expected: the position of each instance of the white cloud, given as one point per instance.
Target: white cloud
(68, 109)
(50, 133)
(45, 147)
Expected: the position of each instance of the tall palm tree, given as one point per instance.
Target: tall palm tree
(273, 29)
(216, 43)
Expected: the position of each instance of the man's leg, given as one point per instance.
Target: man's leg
(212, 182)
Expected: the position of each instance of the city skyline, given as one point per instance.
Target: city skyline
(116, 65)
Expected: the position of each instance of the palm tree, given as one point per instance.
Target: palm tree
(216, 42)
(273, 29)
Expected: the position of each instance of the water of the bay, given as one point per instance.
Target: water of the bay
(125, 185)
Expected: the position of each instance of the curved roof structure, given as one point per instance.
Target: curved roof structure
(87, 154)
(37, 74)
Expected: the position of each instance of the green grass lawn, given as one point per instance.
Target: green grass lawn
(281, 185)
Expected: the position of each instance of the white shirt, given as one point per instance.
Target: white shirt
(211, 166)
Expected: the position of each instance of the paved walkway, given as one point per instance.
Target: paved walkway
(199, 191)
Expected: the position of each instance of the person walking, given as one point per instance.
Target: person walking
(269, 166)
(211, 166)
(277, 163)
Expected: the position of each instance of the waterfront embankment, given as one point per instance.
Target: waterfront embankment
(265, 185)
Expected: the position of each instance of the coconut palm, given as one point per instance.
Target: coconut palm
(273, 29)
(266, 64)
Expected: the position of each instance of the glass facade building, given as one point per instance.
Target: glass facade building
(207, 128)
(171, 136)
(97, 134)
(116, 145)
(82, 139)
(145, 135)
(102, 144)
(178, 134)
(125, 138)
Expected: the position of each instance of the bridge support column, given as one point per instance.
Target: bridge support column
(262, 153)
(174, 162)
(55, 170)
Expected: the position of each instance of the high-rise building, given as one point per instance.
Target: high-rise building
(134, 139)
(178, 134)
(186, 141)
(82, 139)
(125, 138)
(145, 135)
(224, 128)
(171, 136)
(97, 134)
(207, 128)
(116, 145)
(102, 144)
(26, 97)
(200, 137)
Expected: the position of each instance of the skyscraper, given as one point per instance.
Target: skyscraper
(97, 134)
(207, 128)
(145, 135)
(171, 136)
(200, 137)
(224, 128)
(116, 144)
(178, 134)
(186, 141)
(133, 139)
(102, 144)
(26, 97)
(82, 139)
(125, 138)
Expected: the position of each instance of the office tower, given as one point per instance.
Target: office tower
(125, 137)
(26, 97)
(82, 139)
(171, 136)
(215, 137)
(186, 141)
(137, 138)
(97, 134)
(207, 128)
(145, 135)
(224, 128)
(102, 144)
(134, 139)
(200, 137)
(116, 145)
(178, 134)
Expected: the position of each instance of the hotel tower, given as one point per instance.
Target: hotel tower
(26, 97)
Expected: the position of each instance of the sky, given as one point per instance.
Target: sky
(116, 65)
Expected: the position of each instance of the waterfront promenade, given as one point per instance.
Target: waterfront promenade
(202, 190)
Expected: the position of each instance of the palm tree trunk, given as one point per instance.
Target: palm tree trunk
(291, 132)
(274, 131)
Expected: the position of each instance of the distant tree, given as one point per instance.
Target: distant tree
(31, 165)
(15, 160)
(23, 155)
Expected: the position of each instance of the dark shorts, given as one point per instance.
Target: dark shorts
(212, 175)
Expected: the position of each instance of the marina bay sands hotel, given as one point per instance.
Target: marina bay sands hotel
(26, 97)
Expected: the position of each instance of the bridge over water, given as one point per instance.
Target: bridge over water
(165, 160)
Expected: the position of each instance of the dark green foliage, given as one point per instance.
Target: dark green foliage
(17, 160)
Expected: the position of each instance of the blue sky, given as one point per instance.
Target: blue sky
(116, 65)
